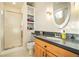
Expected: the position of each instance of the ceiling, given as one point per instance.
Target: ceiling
(17, 4)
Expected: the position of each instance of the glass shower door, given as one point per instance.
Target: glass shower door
(12, 29)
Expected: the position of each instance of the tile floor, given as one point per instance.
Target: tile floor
(17, 53)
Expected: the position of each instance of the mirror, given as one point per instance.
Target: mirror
(61, 12)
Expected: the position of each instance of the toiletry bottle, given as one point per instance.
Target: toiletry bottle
(63, 36)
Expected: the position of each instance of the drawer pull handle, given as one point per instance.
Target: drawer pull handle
(45, 46)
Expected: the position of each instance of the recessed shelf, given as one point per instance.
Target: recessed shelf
(30, 17)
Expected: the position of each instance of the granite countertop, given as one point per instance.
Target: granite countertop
(72, 46)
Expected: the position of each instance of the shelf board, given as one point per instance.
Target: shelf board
(30, 22)
(30, 15)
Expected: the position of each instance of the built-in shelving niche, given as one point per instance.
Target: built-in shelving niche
(30, 16)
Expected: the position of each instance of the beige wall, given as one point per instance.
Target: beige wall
(42, 21)
(45, 23)
(73, 25)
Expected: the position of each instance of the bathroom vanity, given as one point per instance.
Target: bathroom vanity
(46, 47)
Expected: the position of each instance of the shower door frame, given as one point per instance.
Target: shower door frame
(3, 41)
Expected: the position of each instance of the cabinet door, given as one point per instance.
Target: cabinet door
(50, 54)
(43, 52)
(35, 50)
(39, 51)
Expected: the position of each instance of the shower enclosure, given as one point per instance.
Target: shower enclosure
(10, 29)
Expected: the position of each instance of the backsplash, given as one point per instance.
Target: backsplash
(72, 36)
(58, 34)
(49, 34)
(37, 32)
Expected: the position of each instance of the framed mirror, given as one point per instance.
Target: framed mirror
(61, 14)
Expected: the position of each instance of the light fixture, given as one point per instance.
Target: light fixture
(48, 11)
(13, 3)
(76, 4)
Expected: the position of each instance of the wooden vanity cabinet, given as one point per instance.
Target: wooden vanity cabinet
(44, 49)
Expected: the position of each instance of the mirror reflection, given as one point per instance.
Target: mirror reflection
(61, 12)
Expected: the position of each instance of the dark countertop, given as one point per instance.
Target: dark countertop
(76, 51)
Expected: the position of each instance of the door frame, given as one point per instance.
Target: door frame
(3, 41)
